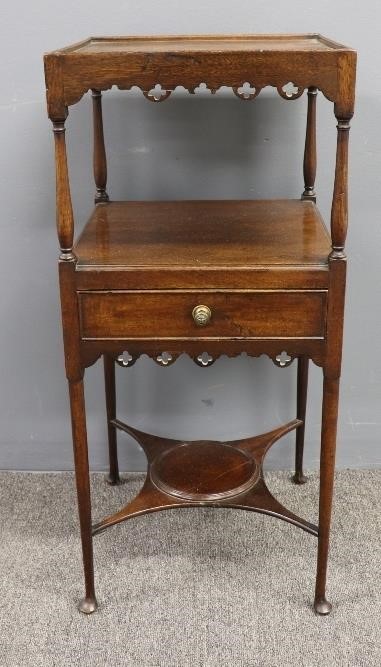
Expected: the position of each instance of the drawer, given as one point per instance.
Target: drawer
(233, 314)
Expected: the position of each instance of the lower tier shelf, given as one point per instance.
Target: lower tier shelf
(205, 473)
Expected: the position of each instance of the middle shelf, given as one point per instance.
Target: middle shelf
(275, 244)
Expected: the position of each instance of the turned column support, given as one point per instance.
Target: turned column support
(309, 162)
(99, 155)
(339, 211)
(64, 215)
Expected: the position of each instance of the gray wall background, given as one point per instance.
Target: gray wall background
(188, 147)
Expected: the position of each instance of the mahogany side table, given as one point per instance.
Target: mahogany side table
(203, 277)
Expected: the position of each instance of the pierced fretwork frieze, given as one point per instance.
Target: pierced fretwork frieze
(203, 359)
(246, 91)
(91, 351)
(158, 92)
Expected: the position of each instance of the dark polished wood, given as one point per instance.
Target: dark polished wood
(309, 162)
(262, 60)
(327, 471)
(214, 471)
(249, 244)
(65, 219)
(110, 391)
(301, 404)
(99, 157)
(206, 278)
(230, 475)
(339, 211)
(140, 314)
(78, 419)
(315, 349)
(197, 234)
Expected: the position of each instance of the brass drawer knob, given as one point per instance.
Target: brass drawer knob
(201, 315)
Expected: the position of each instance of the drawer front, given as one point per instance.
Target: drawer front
(169, 314)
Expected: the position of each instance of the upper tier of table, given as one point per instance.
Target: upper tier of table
(261, 60)
(222, 43)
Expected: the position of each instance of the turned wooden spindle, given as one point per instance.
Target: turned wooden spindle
(64, 216)
(99, 157)
(309, 162)
(339, 211)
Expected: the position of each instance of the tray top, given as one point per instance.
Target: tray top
(208, 43)
(260, 60)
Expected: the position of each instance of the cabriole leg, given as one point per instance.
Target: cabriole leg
(78, 419)
(302, 386)
(109, 374)
(327, 471)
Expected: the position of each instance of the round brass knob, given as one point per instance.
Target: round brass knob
(201, 315)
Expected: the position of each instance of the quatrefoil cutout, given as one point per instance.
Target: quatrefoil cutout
(124, 359)
(289, 91)
(204, 359)
(164, 359)
(283, 359)
(246, 91)
(202, 89)
(156, 94)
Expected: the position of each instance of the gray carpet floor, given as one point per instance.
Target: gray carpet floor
(193, 587)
